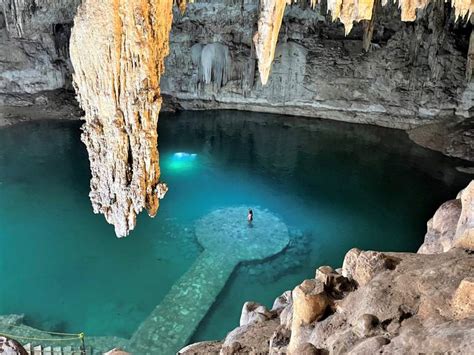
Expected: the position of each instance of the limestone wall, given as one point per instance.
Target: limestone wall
(413, 73)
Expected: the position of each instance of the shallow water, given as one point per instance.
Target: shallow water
(335, 185)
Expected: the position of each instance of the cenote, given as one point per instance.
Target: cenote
(335, 185)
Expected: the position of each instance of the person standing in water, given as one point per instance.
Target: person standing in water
(250, 216)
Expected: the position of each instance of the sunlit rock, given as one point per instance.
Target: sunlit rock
(363, 266)
(464, 237)
(442, 228)
(117, 49)
(310, 302)
(463, 300)
(452, 225)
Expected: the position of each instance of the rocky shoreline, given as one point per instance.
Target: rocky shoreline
(57, 104)
(377, 302)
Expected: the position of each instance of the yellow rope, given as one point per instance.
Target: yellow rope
(38, 339)
(43, 331)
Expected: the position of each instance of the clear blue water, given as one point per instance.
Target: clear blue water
(335, 185)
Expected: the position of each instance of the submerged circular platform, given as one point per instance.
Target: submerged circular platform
(227, 231)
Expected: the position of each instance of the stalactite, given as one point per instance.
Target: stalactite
(117, 50)
(369, 28)
(265, 40)
(215, 64)
(349, 11)
(463, 8)
(182, 4)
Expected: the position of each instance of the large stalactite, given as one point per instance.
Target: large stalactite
(347, 11)
(117, 50)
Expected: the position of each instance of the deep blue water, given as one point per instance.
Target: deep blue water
(335, 185)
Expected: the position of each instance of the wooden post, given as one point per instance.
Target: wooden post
(369, 28)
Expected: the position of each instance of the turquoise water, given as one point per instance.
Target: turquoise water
(335, 185)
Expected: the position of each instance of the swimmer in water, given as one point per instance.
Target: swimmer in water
(250, 216)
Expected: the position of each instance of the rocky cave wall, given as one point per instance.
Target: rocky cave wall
(34, 48)
(412, 73)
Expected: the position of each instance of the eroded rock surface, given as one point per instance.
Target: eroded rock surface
(412, 74)
(424, 305)
(118, 49)
(34, 45)
(452, 225)
(452, 138)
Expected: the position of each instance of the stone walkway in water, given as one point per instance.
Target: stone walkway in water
(227, 240)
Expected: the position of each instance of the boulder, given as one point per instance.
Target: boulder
(251, 338)
(366, 324)
(350, 262)
(441, 229)
(324, 274)
(362, 266)
(464, 237)
(254, 312)
(309, 302)
(463, 299)
(452, 226)
(336, 285)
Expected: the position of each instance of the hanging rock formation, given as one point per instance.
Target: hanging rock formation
(265, 40)
(117, 50)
